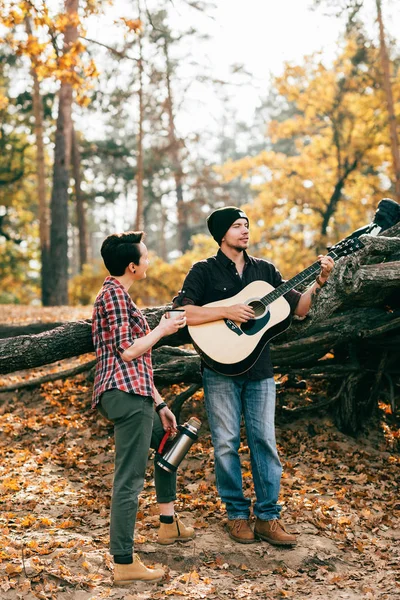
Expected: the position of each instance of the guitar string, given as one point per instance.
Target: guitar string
(348, 246)
(289, 285)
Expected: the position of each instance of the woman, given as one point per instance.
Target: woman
(124, 392)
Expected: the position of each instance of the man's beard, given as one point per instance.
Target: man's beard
(239, 248)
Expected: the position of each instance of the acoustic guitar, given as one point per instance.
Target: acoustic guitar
(231, 348)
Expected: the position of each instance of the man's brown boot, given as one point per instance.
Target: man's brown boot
(240, 531)
(169, 533)
(136, 571)
(274, 533)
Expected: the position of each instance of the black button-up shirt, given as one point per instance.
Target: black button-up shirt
(216, 278)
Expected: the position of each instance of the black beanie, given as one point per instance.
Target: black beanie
(221, 219)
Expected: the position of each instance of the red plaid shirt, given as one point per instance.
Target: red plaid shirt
(116, 322)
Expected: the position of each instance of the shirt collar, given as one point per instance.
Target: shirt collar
(223, 258)
(110, 280)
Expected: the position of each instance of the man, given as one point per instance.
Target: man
(124, 392)
(251, 394)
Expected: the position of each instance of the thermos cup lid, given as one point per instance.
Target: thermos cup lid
(194, 422)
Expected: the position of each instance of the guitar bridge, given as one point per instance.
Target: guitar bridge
(233, 327)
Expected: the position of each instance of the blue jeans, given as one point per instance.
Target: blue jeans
(227, 399)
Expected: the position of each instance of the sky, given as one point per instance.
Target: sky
(260, 34)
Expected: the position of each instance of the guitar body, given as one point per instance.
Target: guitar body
(231, 348)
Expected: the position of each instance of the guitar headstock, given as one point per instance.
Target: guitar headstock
(347, 247)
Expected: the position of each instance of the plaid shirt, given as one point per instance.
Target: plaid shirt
(116, 322)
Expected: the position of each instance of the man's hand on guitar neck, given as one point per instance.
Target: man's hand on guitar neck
(304, 304)
(327, 265)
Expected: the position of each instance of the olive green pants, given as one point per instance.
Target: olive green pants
(136, 428)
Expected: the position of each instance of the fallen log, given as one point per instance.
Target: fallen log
(72, 339)
(356, 314)
(38, 381)
(7, 331)
(66, 341)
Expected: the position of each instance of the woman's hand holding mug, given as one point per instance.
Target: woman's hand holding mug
(172, 320)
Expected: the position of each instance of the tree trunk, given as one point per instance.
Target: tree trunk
(394, 141)
(139, 224)
(162, 240)
(80, 206)
(41, 181)
(333, 202)
(59, 196)
(183, 236)
(7, 331)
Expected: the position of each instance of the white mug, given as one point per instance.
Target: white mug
(174, 313)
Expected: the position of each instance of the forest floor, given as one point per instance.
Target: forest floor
(339, 493)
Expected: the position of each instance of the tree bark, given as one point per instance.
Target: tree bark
(394, 140)
(139, 223)
(183, 237)
(37, 104)
(342, 289)
(80, 206)
(336, 196)
(8, 331)
(59, 196)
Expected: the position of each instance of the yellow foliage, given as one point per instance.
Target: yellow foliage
(10, 484)
(3, 101)
(72, 66)
(83, 288)
(14, 17)
(135, 25)
(13, 570)
(162, 283)
(64, 20)
(341, 150)
(28, 520)
(82, 99)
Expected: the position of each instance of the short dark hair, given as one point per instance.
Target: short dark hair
(120, 249)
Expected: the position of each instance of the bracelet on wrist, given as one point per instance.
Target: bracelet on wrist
(160, 406)
(320, 283)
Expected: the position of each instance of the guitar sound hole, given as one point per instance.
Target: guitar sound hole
(258, 307)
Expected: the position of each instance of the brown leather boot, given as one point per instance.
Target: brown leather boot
(240, 531)
(136, 571)
(274, 533)
(169, 533)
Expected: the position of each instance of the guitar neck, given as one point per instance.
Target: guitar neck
(292, 283)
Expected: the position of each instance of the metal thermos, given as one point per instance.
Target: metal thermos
(171, 460)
